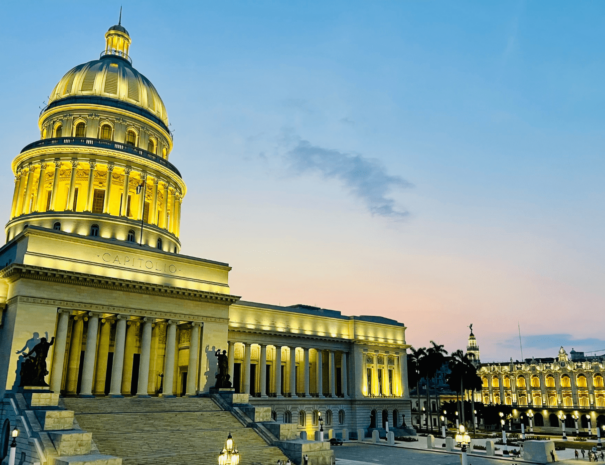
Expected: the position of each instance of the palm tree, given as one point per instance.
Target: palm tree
(458, 365)
(415, 362)
(434, 360)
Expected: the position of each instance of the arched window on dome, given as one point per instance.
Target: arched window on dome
(160, 244)
(164, 152)
(57, 226)
(94, 230)
(151, 146)
(130, 237)
(80, 130)
(131, 138)
(59, 131)
(106, 132)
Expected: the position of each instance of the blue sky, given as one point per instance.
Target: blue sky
(435, 162)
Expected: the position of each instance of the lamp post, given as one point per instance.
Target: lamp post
(575, 419)
(502, 422)
(423, 418)
(457, 421)
(522, 427)
(476, 420)
(321, 429)
(530, 415)
(589, 425)
(229, 455)
(562, 417)
(464, 439)
(599, 444)
(13, 451)
(443, 426)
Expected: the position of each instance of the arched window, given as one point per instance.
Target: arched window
(80, 130)
(552, 401)
(302, 418)
(601, 421)
(600, 400)
(535, 382)
(341, 417)
(565, 381)
(164, 152)
(484, 381)
(395, 418)
(160, 244)
(385, 418)
(554, 420)
(537, 399)
(94, 230)
(508, 400)
(584, 421)
(315, 418)
(521, 382)
(538, 419)
(106, 132)
(287, 416)
(598, 381)
(567, 401)
(130, 236)
(151, 146)
(59, 131)
(373, 419)
(550, 381)
(328, 417)
(6, 434)
(497, 399)
(584, 402)
(495, 382)
(523, 401)
(131, 138)
(582, 381)
(506, 382)
(486, 399)
(273, 415)
(57, 226)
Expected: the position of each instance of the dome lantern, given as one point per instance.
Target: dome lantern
(117, 40)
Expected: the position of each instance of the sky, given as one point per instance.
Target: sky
(435, 162)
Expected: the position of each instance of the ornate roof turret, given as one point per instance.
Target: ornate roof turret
(472, 349)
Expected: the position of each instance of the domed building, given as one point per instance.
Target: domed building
(98, 301)
(101, 166)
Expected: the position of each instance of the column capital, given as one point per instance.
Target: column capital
(93, 315)
(172, 322)
(128, 169)
(43, 164)
(92, 164)
(74, 163)
(156, 181)
(122, 317)
(64, 310)
(57, 162)
(110, 167)
(196, 323)
(148, 319)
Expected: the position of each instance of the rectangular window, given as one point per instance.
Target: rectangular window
(75, 204)
(146, 214)
(128, 206)
(98, 201)
(48, 198)
(369, 380)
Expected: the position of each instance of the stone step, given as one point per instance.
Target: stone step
(55, 420)
(93, 459)
(69, 443)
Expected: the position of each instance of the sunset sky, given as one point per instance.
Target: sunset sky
(440, 163)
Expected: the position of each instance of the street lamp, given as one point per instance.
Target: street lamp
(321, 428)
(476, 420)
(562, 417)
(229, 455)
(502, 422)
(530, 415)
(575, 417)
(522, 427)
(443, 426)
(13, 452)
(589, 425)
(464, 439)
(423, 418)
(457, 421)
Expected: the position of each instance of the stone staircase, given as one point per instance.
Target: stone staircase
(157, 431)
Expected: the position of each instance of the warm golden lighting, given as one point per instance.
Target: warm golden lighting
(229, 455)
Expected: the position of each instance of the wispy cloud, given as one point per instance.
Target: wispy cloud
(365, 178)
(554, 341)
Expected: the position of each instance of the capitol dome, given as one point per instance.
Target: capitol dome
(112, 77)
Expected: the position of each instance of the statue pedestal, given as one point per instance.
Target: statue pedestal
(40, 396)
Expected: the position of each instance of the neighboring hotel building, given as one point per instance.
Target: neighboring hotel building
(549, 388)
(92, 259)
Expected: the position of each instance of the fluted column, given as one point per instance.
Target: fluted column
(101, 374)
(59, 354)
(124, 209)
(293, 372)
(142, 195)
(332, 370)
(263, 370)
(131, 335)
(278, 387)
(169, 359)
(73, 366)
(18, 180)
(153, 208)
(194, 352)
(144, 360)
(53, 194)
(344, 374)
(306, 362)
(165, 212)
(90, 355)
(29, 188)
(118, 357)
(172, 212)
(107, 203)
(319, 376)
(72, 186)
(247, 349)
(231, 359)
(25, 174)
(90, 191)
(39, 205)
(179, 204)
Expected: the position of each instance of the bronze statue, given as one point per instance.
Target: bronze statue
(33, 369)
(471, 328)
(222, 377)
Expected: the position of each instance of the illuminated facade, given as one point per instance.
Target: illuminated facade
(92, 258)
(549, 388)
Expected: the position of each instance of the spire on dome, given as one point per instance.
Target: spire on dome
(117, 40)
(120, 20)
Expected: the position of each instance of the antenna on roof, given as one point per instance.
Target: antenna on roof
(120, 21)
(520, 343)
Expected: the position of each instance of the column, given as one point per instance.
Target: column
(306, 361)
(28, 189)
(142, 196)
(90, 191)
(332, 372)
(131, 334)
(154, 368)
(374, 371)
(118, 357)
(194, 352)
(278, 389)
(39, 205)
(247, 350)
(73, 366)
(72, 186)
(124, 209)
(169, 359)
(59, 353)
(320, 382)
(90, 355)
(21, 194)
(293, 372)
(501, 383)
(53, 194)
(106, 204)
(403, 361)
(263, 370)
(165, 212)
(177, 221)
(101, 374)
(343, 375)
(144, 360)
(231, 358)
(173, 213)
(18, 180)
(153, 208)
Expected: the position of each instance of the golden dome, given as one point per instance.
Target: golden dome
(111, 77)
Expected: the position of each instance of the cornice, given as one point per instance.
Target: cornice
(17, 271)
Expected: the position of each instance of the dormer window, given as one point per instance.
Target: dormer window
(106, 132)
(80, 130)
(151, 146)
(59, 131)
(131, 138)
